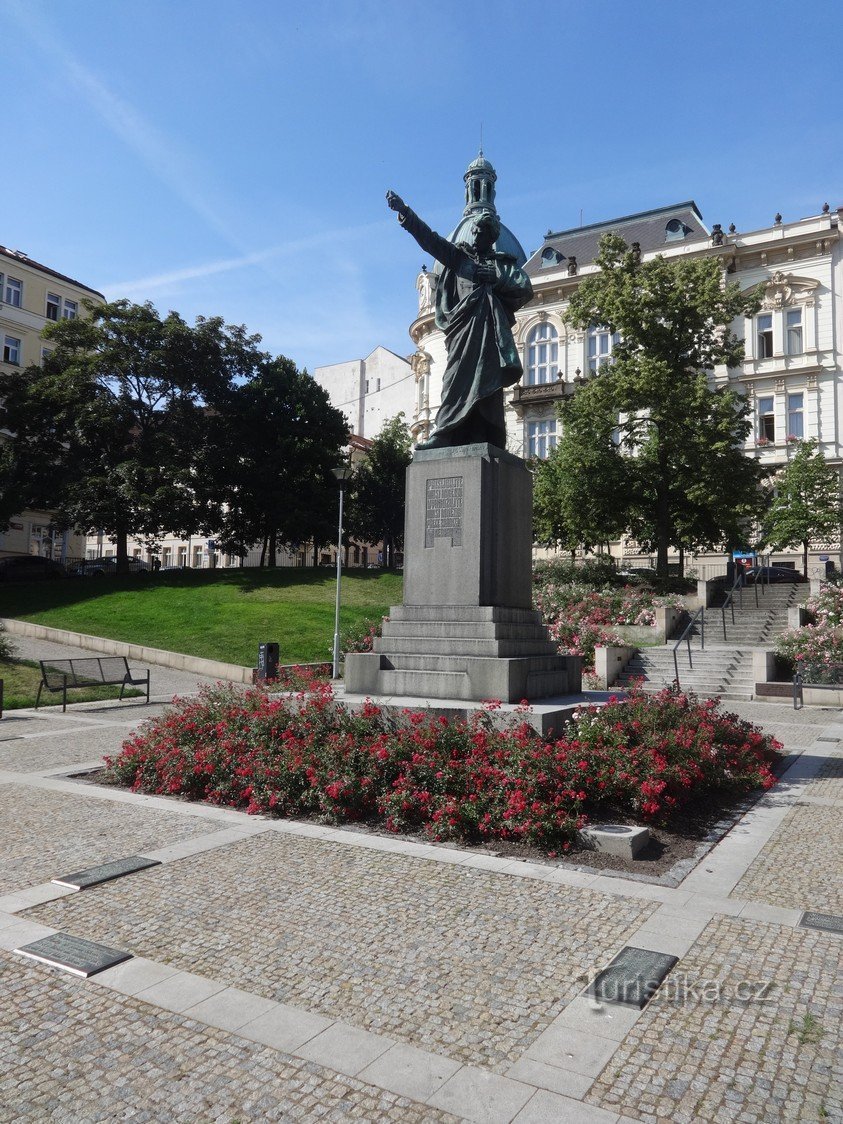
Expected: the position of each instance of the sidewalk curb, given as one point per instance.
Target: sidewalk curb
(212, 669)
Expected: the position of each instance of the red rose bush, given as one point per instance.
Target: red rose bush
(647, 758)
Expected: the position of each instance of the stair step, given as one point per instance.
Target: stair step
(432, 646)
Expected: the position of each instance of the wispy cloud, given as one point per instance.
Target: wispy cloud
(160, 155)
(175, 277)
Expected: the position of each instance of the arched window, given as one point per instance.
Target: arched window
(542, 354)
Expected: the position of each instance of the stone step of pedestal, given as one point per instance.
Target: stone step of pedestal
(456, 664)
(429, 684)
(474, 630)
(432, 646)
(464, 614)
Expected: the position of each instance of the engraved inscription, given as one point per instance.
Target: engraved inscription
(443, 510)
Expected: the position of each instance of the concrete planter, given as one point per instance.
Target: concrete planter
(668, 624)
(610, 661)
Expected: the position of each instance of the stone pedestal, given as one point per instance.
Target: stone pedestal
(466, 629)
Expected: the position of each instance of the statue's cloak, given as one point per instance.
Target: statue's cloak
(477, 321)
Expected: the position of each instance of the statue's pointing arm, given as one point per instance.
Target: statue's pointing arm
(433, 243)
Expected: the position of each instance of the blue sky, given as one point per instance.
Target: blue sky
(223, 158)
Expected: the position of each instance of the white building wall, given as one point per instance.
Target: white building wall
(369, 391)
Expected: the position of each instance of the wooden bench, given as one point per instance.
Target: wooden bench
(95, 671)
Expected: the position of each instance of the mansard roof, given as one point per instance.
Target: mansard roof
(648, 228)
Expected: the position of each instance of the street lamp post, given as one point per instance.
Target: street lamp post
(342, 473)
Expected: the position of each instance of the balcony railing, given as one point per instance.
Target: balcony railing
(540, 392)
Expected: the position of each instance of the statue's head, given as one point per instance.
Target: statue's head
(485, 231)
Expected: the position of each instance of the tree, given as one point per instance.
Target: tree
(805, 503)
(266, 473)
(672, 322)
(376, 500)
(714, 489)
(582, 491)
(107, 432)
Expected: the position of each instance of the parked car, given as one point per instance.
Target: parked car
(30, 567)
(106, 567)
(773, 574)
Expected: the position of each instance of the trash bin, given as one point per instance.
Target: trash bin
(268, 661)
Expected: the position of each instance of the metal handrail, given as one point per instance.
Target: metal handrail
(729, 601)
(686, 636)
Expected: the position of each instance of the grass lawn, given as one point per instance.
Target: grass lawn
(20, 688)
(216, 614)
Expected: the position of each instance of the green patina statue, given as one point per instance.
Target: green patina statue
(478, 293)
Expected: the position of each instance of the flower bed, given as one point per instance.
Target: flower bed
(647, 758)
(816, 649)
(580, 618)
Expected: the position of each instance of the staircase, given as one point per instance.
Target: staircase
(723, 667)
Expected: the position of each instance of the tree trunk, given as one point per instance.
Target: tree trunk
(315, 553)
(263, 553)
(681, 561)
(662, 513)
(805, 545)
(273, 547)
(122, 538)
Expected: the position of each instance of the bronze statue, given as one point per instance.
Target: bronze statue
(477, 296)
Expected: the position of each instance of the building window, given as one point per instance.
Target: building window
(71, 308)
(793, 325)
(167, 556)
(676, 230)
(46, 352)
(541, 438)
(764, 330)
(182, 555)
(542, 354)
(795, 422)
(53, 306)
(11, 350)
(197, 557)
(766, 419)
(601, 344)
(13, 292)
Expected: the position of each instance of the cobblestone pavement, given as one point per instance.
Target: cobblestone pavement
(800, 867)
(36, 744)
(771, 714)
(47, 834)
(829, 782)
(722, 1059)
(76, 1053)
(472, 964)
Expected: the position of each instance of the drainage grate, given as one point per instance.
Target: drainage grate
(632, 978)
(95, 875)
(73, 954)
(828, 922)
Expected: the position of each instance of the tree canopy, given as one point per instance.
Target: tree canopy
(805, 503)
(376, 500)
(581, 495)
(686, 481)
(137, 424)
(266, 473)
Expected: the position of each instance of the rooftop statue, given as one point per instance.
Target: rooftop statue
(477, 295)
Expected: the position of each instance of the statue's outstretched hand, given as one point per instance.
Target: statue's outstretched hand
(396, 203)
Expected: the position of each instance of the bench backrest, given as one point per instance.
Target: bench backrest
(84, 672)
